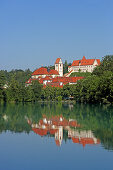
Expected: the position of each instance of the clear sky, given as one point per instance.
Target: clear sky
(35, 32)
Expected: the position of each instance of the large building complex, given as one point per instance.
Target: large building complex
(55, 77)
(84, 65)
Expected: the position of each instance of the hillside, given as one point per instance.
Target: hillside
(80, 74)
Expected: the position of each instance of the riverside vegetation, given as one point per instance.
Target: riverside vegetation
(96, 87)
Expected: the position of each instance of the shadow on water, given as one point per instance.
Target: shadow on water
(82, 123)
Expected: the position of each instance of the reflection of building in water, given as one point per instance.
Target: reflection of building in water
(56, 124)
(82, 137)
(59, 136)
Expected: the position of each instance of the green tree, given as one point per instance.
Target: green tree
(65, 67)
(13, 90)
(37, 89)
(106, 65)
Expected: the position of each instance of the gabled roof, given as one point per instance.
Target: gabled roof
(98, 61)
(57, 61)
(84, 58)
(53, 72)
(76, 63)
(40, 132)
(40, 71)
(85, 61)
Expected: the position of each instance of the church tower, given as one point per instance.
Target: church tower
(59, 66)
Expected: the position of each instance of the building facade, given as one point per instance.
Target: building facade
(59, 66)
(84, 65)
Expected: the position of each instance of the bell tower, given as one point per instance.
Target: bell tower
(59, 66)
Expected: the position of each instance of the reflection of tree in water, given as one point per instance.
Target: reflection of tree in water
(97, 118)
(106, 137)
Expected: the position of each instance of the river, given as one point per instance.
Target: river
(56, 136)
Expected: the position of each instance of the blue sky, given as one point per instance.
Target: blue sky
(35, 32)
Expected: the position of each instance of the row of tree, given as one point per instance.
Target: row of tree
(95, 87)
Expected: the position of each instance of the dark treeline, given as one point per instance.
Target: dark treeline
(95, 87)
(20, 75)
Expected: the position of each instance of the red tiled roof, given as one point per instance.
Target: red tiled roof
(40, 132)
(40, 71)
(84, 141)
(84, 58)
(76, 63)
(52, 131)
(55, 82)
(57, 60)
(85, 61)
(53, 72)
(75, 140)
(65, 80)
(98, 61)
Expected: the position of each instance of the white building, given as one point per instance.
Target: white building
(59, 66)
(84, 65)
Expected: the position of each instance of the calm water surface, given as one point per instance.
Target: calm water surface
(56, 136)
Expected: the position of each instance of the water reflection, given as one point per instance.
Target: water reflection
(83, 124)
(57, 125)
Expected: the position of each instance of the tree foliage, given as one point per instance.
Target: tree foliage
(106, 65)
(65, 67)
